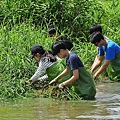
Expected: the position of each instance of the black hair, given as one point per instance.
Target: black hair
(57, 46)
(52, 30)
(37, 49)
(95, 28)
(48, 54)
(96, 37)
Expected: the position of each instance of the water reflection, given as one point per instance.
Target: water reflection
(97, 117)
(105, 107)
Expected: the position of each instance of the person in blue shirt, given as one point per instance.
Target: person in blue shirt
(108, 51)
(97, 28)
(80, 81)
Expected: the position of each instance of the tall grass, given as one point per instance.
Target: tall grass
(111, 20)
(71, 16)
(16, 66)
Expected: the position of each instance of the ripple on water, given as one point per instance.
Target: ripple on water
(98, 117)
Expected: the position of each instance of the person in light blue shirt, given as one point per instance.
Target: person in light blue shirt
(108, 51)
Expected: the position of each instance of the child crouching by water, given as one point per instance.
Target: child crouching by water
(80, 80)
(48, 65)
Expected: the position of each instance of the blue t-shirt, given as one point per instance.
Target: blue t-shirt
(111, 50)
(74, 61)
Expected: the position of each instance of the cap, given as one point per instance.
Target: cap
(36, 49)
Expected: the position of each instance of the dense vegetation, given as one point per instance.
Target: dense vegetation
(25, 22)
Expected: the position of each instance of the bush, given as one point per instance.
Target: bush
(74, 17)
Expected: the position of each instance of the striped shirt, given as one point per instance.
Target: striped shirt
(44, 63)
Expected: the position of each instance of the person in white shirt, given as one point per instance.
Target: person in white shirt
(49, 66)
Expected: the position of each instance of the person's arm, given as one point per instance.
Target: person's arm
(98, 60)
(64, 73)
(44, 77)
(43, 65)
(102, 68)
(73, 78)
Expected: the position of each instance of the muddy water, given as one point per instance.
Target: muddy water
(105, 107)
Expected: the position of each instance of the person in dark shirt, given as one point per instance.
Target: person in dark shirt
(80, 79)
(53, 32)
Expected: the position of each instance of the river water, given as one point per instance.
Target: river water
(105, 107)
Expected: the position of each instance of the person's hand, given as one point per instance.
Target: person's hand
(95, 78)
(30, 81)
(61, 86)
(53, 81)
